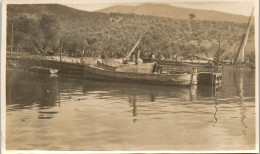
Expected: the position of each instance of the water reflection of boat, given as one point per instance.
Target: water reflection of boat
(137, 94)
(53, 75)
(152, 91)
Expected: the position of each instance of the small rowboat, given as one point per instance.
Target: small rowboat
(44, 70)
(54, 71)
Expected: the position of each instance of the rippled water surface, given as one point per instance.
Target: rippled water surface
(67, 112)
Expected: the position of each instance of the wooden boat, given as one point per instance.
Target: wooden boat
(137, 71)
(139, 75)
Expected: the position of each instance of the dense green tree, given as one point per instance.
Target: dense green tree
(34, 35)
(192, 16)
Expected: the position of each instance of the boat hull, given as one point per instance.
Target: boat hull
(161, 79)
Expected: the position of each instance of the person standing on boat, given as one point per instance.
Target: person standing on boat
(150, 57)
(193, 76)
(194, 71)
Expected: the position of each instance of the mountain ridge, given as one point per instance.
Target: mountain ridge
(174, 12)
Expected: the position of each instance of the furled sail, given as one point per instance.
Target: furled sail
(240, 57)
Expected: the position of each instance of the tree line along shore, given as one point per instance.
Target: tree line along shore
(46, 29)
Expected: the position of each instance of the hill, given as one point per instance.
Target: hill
(38, 28)
(165, 10)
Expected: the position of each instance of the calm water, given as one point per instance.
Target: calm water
(50, 112)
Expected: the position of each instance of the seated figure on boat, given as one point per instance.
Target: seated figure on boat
(194, 71)
(157, 69)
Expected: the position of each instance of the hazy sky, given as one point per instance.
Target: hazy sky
(242, 7)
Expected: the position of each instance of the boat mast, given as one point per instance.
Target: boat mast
(241, 51)
(61, 46)
(224, 55)
(129, 54)
(12, 39)
(219, 50)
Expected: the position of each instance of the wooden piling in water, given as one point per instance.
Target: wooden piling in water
(210, 78)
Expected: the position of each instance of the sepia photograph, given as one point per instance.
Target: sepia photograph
(129, 76)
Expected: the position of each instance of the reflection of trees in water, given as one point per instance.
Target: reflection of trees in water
(30, 88)
(50, 92)
(10, 85)
(25, 89)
